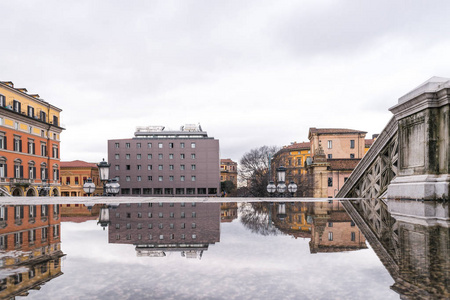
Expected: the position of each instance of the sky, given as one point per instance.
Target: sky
(252, 72)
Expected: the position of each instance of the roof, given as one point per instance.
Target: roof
(333, 130)
(369, 142)
(227, 160)
(303, 146)
(77, 164)
(343, 163)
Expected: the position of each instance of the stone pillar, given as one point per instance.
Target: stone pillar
(423, 137)
(319, 169)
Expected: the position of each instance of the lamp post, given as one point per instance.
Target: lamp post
(45, 189)
(281, 184)
(111, 187)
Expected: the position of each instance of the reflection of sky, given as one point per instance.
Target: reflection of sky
(241, 266)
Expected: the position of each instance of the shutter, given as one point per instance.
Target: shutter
(46, 173)
(6, 217)
(5, 146)
(40, 172)
(21, 211)
(57, 152)
(34, 148)
(20, 106)
(6, 170)
(20, 145)
(34, 172)
(21, 171)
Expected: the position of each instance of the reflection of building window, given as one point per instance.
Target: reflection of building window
(330, 144)
(352, 144)
(353, 236)
(330, 181)
(330, 224)
(330, 236)
(352, 155)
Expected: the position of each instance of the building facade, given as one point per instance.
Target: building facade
(228, 171)
(29, 143)
(74, 174)
(166, 163)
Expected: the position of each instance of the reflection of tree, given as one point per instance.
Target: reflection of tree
(257, 218)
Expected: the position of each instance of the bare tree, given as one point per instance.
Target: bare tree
(254, 169)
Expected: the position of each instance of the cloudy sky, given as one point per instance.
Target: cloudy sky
(252, 73)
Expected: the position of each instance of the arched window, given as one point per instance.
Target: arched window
(44, 171)
(3, 167)
(55, 172)
(31, 170)
(18, 168)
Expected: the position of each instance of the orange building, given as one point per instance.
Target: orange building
(74, 174)
(30, 244)
(29, 143)
(228, 171)
(293, 157)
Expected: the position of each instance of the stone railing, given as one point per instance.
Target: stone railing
(376, 169)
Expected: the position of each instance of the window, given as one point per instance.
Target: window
(182, 156)
(149, 167)
(139, 178)
(289, 162)
(353, 236)
(160, 167)
(116, 156)
(17, 106)
(170, 178)
(171, 145)
(352, 144)
(299, 162)
(17, 144)
(127, 145)
(330, 181)
(160, 156)
(2, 101)
(127, 156)
(193, 167)
(150, 178)
(149, 145)
(194, 214)
(30, 111)
(192, 145)
(193, 225)
(182, 167)
(352, 155)
(193, 155)
(55, 152)
(160, 178)
(117, 145)
(138, 156)
(330, 224)
(330, 236)
(182, 178)
(31, 147)
(330, 156)
(193, 178)
(149, 156)
(160, 145)
(171, 156)
(139, 167)
(183, 215)
(170, 167)
(182, 145)
(16, 125)
(138, 145)
(128, 167)
(330, 144)
(128, 178)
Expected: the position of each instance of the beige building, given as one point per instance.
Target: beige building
(228, 171)
(74, 174)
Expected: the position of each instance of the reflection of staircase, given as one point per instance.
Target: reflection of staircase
(4, 192)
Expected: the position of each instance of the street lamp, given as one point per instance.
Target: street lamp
(89, 187)
(103, 170)
(281, 185)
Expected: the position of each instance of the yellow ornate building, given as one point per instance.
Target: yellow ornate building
(29, 143)
(228, 171)
(74, 174)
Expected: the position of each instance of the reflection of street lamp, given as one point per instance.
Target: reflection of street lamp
(103, 218)
(89, 187)
(281, 211)
(281, 186)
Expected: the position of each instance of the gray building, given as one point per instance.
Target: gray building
(166, 163)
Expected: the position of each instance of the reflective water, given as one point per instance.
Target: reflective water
(295, 250)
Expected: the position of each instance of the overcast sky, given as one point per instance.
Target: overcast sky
(252, 73)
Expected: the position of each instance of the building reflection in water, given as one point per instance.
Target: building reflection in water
(30, 248)
(411, 238)
(158, 228)
(228, 212)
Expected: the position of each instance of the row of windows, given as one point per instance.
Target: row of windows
(30, 112)
(32, 211)
(32, 173)
(352, 236)
(161, 236)
(352, 144)
(160, 178)
(160, 215)
(31, 146)
(160, 167)
(160, 226)
(18, 237)
(330, 156)
(169, 191)
(160, 145)
(150, 156)
(160, 204)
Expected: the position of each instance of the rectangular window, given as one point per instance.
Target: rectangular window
(138, 145)
(170, 167)
(160, 156)
(30, 111)
(149, 145)
(150, 178)
(2, 101)
(160, 167)
(160, 178)
(127, 156)
(139, 178)
(352, 155)
(116, 156)
(192, 145)
(170, 178)
(170, 156)
(182, 178)
(160, 145)
(117, 145)
(330, 144)
(330, 236)
(182, 167)
(182, 145)
(138, 156)
(182, 156)
(149, 167)
(193, 178)
(330, 156)
(171, 145)
(128, 178)
(193, 167)
(352, 144)
(149, 156)
(127, 145)
(353, 236)
(193, 155)
(330, 181)
(117, 167)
